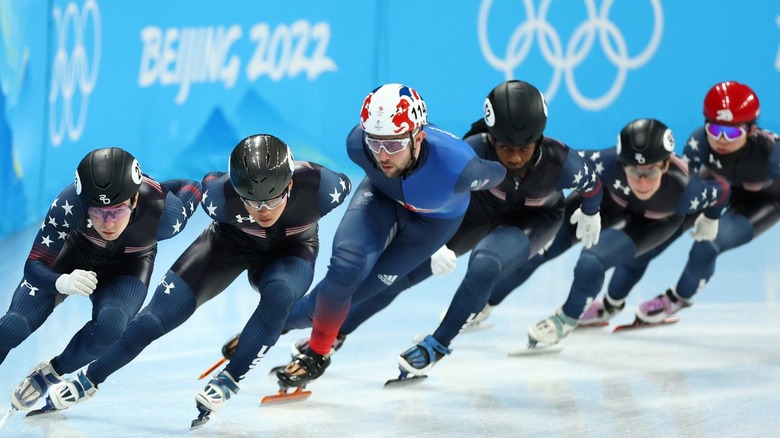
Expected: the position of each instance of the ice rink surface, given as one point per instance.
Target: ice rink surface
(715, 373)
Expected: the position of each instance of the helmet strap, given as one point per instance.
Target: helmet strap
(530, 164)
(413, 162)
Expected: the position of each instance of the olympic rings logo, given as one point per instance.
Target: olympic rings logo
(71, 70)
(579, 46)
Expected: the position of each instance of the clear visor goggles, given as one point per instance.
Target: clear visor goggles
(391, 146)
(648, 172)
(270, 204)
(104, 214)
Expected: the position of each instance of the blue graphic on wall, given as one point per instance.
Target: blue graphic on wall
(210, 148)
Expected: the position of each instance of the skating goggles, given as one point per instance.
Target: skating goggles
(268, 203)
(104, 214)
(730, 133)
(648, 172)
(393, 146)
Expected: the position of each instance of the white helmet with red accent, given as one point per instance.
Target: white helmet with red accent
(393, 109)
(731, 103)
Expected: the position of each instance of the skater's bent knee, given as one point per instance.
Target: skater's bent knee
(484, 268)
(705, 250)
(486, 261)
(110, 323)
(276, 302)
(143, 329)
(588, 266)
(348, 262)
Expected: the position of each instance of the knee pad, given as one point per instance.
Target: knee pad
(14, 329)
(348, 264)
(276, 302)
(143, 330)
(589, 269)
(109, 325)
(484, 267)
(703, 253)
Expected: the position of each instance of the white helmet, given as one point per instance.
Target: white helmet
(393, 109)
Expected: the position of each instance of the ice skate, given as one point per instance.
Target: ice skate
(661, 307)
(304, 368)
(286, 395)
(657, 311)
(66, 394)
(551, 330)
(545, 334)
(211, 398)
(600, 312)
(405, 378)
(302, 344)
(418, 359)
(34, 386)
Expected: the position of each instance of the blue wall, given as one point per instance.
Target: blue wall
(178, 83)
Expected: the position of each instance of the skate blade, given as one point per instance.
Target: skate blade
(199, 422)
(203, 418)
(536, 350)
(594, 325)
(212, 368)
(281, 397)
(46, 409)
(639, 324)
(7, 416)
(401, 382)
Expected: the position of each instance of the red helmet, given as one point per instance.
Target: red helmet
(731, 103)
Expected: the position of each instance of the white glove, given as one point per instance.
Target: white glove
(704, 228)
(77, 282)
(588, 227)
(443, 261)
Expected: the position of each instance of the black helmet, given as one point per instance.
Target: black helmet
(260, 167)
(515, 113)
(107, 177)
(644, 141)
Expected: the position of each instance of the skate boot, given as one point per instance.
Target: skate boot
(34, 386)
(420, 358)
(304, 368)
(71, 391)
(601, 311)
(551, 330)
(302, 344)
(477, 322)
(219, 390)
(661, 307)
(211, 399)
